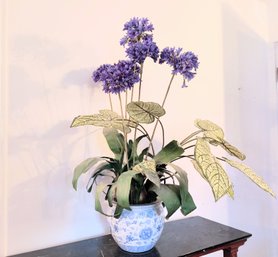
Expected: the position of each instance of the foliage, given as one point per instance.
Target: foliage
(137, 173)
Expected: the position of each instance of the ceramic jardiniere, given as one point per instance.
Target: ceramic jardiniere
(139, 229)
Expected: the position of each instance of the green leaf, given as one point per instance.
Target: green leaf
(115, 141)
(83, 167)
(211, 170)
(99, 170)
(105, 119)
(210, 129)
(145, 112)
(134, 154)
(99, 189)
(148, 168)
(169, 153)
(170, 196)
(111, 194)
(251, 175)
(118, 211)
(123, 188)
(187, 203)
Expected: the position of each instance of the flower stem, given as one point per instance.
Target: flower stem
(140, 82)
(168, 89)
(110, 101)
(164, 100)
(184, 141)
(125, 134)
(126, 95)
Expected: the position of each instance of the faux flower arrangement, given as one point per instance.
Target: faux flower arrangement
(138, 173)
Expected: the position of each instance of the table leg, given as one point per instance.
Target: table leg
(232, 250)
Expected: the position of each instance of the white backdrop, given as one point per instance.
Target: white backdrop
(52, 47)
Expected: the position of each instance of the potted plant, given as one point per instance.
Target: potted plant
(138, 174)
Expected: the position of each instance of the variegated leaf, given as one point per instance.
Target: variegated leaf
(210, 129)
(252, 175)
(148, 169)
(105, 119)
(230, 190)
(144, 112)
(212, 170)
(232, 150)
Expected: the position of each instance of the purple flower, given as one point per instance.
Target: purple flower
(184, 63)
(135, 29)
(118, 77)
(139, 51)
(139, 41)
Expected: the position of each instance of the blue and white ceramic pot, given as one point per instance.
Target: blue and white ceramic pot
(138, 230)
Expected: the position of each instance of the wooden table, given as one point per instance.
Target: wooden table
(189, 237)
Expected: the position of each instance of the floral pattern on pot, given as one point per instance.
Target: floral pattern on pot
(138, 230)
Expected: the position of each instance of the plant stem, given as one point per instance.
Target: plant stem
(110, 100)
(125, 135)
(184, 141)
(188, 147)
(140, 82)
(126, 95)
(168, 89)
(139, 96)
(132, 92)
(164, 100)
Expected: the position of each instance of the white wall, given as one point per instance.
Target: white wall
(53, 47)
(251, 117)
(3, 140)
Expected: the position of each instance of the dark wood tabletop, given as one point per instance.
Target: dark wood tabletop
(193, 236)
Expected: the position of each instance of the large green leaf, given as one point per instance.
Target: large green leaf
(252, 175)
(211, 170)
(148, 168)
(99, 190)
(105, 119)
(123, 188)
(170, 196)
(111, 194)
(83, 167)
(187, 203)
(115, 141)
(134, 155)
(145, 112)
(169, 152)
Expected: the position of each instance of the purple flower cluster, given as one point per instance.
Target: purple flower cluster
(118, 77)
(140, 44)
(184, 63)
(136, 28)
(139, 51)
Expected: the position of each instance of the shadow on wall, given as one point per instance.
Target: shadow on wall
(47, 195)
(79, 77)
(249, 118)
(44, 209)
